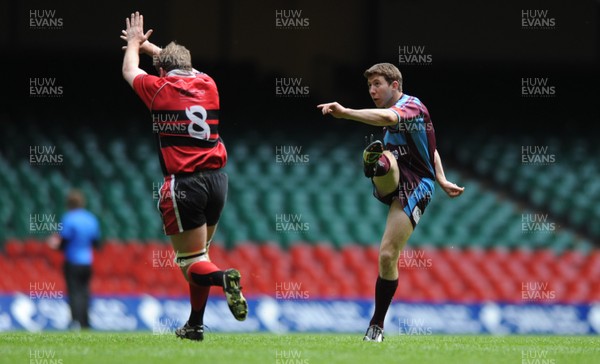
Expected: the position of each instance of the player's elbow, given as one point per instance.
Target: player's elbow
(126, 70)
(129, 74)
(390, 119)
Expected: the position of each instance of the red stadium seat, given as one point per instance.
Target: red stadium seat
(354, 257)
(577, 291)
(474, 255)
(541, 272)
(135, 249)
(152, 247)
(271, 251)
(177, 291)
(218, 255)
(435, 293)
(591, 266)
(33, 247)
(471, 275)
(543, 256)
(55, 259)
(113, 248)
(566, 269)
(13, 247)
(248, 251)
(372, 254)
(516, 270)
(324, 252)
(301, 256)
(572, 257)
(280, 272)
(334, 269)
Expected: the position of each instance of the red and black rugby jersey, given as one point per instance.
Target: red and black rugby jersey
(185, 118)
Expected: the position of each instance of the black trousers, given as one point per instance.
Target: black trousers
(78, 279)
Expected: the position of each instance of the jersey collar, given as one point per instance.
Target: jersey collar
(181, 73)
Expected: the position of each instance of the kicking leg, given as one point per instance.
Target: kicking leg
(388, 182)
(381, 166)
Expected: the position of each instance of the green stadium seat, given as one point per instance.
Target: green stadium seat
(120, 179)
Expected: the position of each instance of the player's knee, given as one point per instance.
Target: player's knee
(185, 262)
(388, 259)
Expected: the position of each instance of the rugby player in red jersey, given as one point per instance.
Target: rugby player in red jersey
(184, 104)
(402, 169)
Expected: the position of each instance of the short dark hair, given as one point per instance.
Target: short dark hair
(75, 199)
(389, 72)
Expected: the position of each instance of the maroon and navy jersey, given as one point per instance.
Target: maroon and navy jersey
(185, 118)
(412, 140)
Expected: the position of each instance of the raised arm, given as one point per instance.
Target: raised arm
(375, 117)
(147, 47)
(450, 188)
(135, 38)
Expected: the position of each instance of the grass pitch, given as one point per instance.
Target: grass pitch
(100, 347)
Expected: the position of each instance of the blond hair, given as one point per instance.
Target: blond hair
(389, 72)
(173, 56)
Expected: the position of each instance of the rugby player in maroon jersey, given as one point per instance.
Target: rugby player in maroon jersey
(402, 169)
(184, 105)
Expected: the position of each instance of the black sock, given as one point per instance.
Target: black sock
(210, 279)
(196, 317)
(384, 292)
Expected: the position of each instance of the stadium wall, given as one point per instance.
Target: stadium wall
(269, 314)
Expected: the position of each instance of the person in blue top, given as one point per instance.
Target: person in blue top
(402, 169)
(79, 235)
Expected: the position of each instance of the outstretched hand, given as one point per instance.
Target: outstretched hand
(145, 47)
(134, 29)
(332, 108)
(452, 189)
